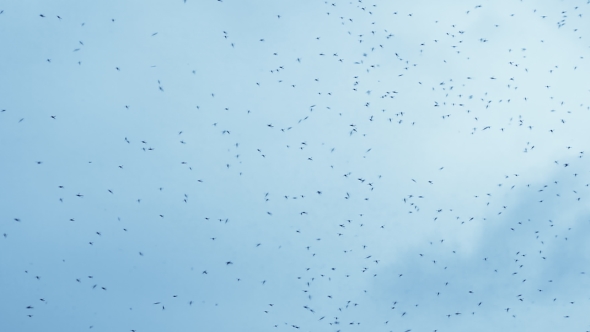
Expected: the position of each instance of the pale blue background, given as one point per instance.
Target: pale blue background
(198, 133)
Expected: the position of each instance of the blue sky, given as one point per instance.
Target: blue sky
(294, 165)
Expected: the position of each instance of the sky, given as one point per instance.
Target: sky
(224, 165)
